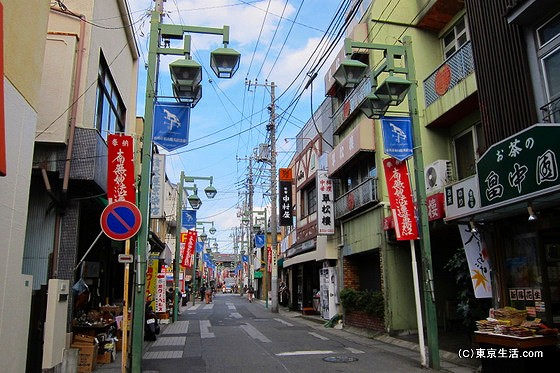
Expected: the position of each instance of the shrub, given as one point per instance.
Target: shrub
(368, 301)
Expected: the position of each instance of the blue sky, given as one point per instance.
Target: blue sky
(275, 38)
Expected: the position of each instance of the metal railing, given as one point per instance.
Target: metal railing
(551, 111)
(363, 194)
(461, 64)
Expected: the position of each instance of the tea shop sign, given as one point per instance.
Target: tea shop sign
(522, 166)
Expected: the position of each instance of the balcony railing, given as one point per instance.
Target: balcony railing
(362, 195)
(551, 111)
(461, 64)
(352, 102)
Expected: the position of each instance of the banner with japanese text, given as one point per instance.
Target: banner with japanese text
(285, 196)
(269, 258)
(120, 169)
(188, 219)
(171, 125)
(158, 186)
(189, 239)
(160, 293)
(151, 274)
(245, 261)
(397, 137)
(400, 198)
(325, 204)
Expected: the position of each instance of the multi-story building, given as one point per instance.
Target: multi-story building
(22, 37)
(87, 91)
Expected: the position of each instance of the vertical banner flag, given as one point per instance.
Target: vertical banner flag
(158, 181)
(171, 125)
(397, 137)
(188, 219)
(477, 258)
(151, 274)
(285, 196)
(325, 211)
(160, 293)
(400, 198)
(245, 261)
(189, 239)
(269, 258)
(120, 169)
(259, 240)
(199, 247)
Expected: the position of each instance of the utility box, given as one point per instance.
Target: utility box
(55, 323)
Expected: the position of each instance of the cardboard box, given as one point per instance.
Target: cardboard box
(85, 339)
(87, 362)
(105, 358)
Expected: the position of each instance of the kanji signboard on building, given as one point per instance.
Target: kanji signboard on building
(325, 204)
(158, 181)
(120, 169)
(285, 196)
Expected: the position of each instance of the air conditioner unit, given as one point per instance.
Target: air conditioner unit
(437, 174)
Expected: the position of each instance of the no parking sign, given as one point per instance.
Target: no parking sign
(121, 220)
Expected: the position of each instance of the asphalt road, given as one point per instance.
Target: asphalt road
(232, 335)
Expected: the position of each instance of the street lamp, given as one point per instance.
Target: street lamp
(159, 32)
(390, 92)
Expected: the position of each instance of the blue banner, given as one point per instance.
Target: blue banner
(397, 137)
(199, 247)
(188, 219)
(171, 125)
(259, 240)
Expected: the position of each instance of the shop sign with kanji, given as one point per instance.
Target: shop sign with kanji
(521, 166)
(120, 169)
(325, 211)
(285, 196)
(189, 240)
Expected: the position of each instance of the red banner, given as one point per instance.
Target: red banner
(434, 203)
(269, 258)
(400, 198)
(120, 169)
(188, 247)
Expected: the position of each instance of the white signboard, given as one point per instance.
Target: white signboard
(160, 293)
(158, 181)
(325, 204)
(461, 198)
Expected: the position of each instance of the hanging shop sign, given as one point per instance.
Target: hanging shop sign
(434, 204)
(171, 125)
(522, 166)
(397, 137)
(400, 198)
(285, 196)
(120, 168)
(461, 198)
(325, 203)
(158, 183)
(160, 293)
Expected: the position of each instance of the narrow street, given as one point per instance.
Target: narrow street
(232, 335)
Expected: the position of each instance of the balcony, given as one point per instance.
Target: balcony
(449, 74)
(351, 104)
(365, 194)
(551, 111)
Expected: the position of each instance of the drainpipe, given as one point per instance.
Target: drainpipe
(70, 147)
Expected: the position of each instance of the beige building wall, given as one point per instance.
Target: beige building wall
(25, 25)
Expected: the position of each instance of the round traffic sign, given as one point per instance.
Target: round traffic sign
(121, 220)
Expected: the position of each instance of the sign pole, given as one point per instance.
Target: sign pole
(125, 310)
(418, 306)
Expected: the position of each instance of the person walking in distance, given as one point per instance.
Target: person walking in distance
(250, 292)
(202, 292)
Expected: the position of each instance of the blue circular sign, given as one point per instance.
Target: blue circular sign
(121, 220)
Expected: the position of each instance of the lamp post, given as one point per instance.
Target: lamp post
(390, 92)
(224, 62)
(195, 203)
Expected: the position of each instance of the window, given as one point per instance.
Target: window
(548, 37)
(309, 200)
(455, 38)
(468, 147)
(110, 113)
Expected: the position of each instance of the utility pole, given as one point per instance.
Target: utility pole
(271, 127)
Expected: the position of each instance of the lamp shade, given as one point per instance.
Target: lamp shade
(203, 237)
(224, 62)
(188, 94)
(210, 191)
(212, 230)
(245, 221)
(194, 201)
(256, 228)
(374, 107)
(393, 90)
(186, 72)
(350, 73)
